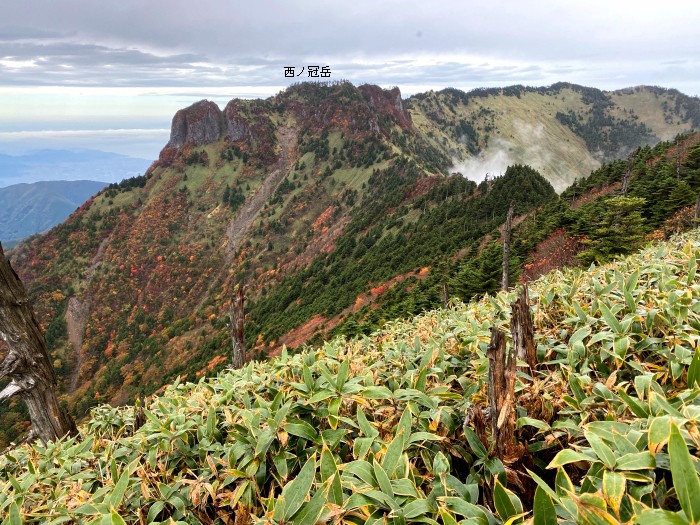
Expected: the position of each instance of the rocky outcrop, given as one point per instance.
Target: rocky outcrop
(387, 102)
(201, 123)
(235, 127)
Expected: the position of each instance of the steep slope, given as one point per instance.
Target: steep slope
(26, 209)
(392, 427)
(331, 202)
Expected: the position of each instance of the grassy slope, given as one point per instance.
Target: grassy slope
(654, 108)
(525, 129)
(375, 428)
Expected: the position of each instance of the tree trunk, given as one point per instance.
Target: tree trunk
(506, 247)
(445, 295)
(502, 394)
(237, 333)
(27, 363)
(523, 331)
(697, 206)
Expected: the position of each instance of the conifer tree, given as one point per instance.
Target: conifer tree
(616, 228)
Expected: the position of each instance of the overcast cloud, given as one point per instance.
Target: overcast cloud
(76, 65)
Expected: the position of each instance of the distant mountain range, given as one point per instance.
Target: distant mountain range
(68, 165)
(26, 209)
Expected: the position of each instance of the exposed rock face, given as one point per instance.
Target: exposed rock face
(201, 123)
(236, 127)
(387, 102)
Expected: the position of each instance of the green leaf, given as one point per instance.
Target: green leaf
(362, 470)
(531, 421)
(621, 345)
(447, 517)
(542, 485)
(361, 446)
(356, 501)
(311, 511)
(610, 318)
(367, 429)
(576, 388)
(631, 282)
(567, 456)
(376, 392)
(154, 511)
(604, 452)
(264, 441)
(343, 373)
(418, 507)
(427, 354)
(211, 422)
(383, 479)
(117, 495)
(308, 378)
(464, 508)
(614, 485)
(636, 461)
(321, 395)
(278, 512)
(335, 493)
(301, 429)
(543, 509)
(581, 313)
(475, 443)
(579, 335)
(660, 517)
(659, 432)
(328, 465)
(296, 491)
(694, 370)
(393, 453)
(503, 502)
(592, 511)
(116, 519)
(404, 487)
(562, 483)
(13, 517)
(685, 478)
(417, 437)
(440, 465)
(637, 408)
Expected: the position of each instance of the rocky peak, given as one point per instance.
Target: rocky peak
(387, 102)
(235, 126)
(198, 124)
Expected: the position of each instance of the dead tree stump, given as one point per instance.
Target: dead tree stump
(237, 317)
(445, 296)
(502, 393)
(506, 246)
(27, 362)
(523, 331)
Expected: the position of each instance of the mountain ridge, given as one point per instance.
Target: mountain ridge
(364, 196)
(30, 208)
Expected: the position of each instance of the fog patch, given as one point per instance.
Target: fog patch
(492, 162)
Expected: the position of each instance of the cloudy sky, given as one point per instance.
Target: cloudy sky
(111, 74)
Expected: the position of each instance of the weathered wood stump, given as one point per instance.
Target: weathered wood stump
(27, 363)
(237, 317)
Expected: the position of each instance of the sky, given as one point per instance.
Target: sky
(110, 75)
